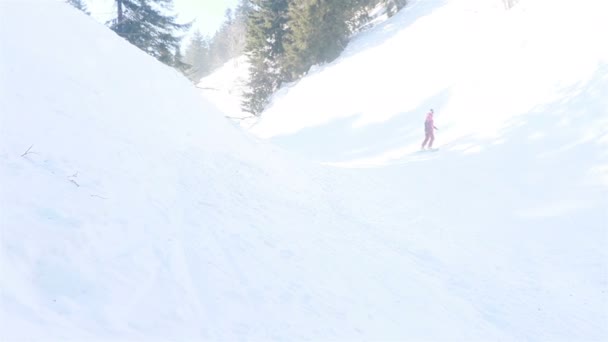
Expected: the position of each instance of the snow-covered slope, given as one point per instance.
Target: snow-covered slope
(225, 87)
(141, 213)
(479, 66)
(513, 208)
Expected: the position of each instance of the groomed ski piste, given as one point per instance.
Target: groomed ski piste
(131, 209)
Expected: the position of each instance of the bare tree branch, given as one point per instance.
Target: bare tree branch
(206, 88)
(243, 118)
(73, 181)
(28, 151)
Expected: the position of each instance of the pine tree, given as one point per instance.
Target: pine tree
(178, 62)
(395, 6)
(230, 40)
(286, 37)
(147, 25)
(238, 29)
(266, 29)
(197, 57)
(319, 31)
(219, 51)
(79, 4)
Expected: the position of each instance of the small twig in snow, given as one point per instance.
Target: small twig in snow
(243, 118)
(28, 151)
(99, 196)
(207, 88)
(73, 181)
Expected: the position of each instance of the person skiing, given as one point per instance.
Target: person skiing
(429, 135)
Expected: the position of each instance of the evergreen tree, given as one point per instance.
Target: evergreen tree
(319, 31)
(178, 62)
(204, 54)
(229, 41)
(266, 29)
(219, 51)
(286, 37)
(197, 57)
(395, 6)
(147, 25)
(238, 29)
(79, 4)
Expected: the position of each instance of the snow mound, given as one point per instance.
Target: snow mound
(132, 209)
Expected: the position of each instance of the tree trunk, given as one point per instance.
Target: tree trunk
(119, 3)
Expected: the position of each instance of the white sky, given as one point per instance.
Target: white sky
(209, 14)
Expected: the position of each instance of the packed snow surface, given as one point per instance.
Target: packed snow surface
(132, 209)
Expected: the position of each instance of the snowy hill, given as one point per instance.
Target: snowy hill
(141, 213)
(480, 67)
(515, 202)
(225, 87)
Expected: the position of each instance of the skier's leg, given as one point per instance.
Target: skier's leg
(432, 136)
(426, 138)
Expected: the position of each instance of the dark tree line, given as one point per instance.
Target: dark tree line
(151, 26)
(281, 38)
(79, 4)
(203, 54)
(286, 37)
